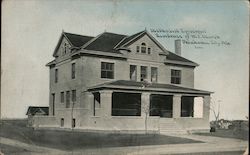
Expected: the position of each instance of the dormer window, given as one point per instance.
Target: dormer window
(143, 48)
(137, 49)
(149, 50)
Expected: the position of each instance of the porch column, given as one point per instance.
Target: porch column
(206, 107)
(88, 102)
(106, 103)
(176, 106)
(145, 104)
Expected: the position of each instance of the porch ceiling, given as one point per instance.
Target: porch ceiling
(150, 87)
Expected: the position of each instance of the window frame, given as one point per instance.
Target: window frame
(73, 96)
(68, 99)
(62, 97)
(62, 122)
(143, 48)
(176, 79)
(56, 75)
(156, 71)
(130, 73)
(73, 70)
(146, 73)
(106, 69)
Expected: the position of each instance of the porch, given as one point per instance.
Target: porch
(112, 101)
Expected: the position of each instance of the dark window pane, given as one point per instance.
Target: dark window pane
(175, 76)
(107, 70)
(133, 72)
(62, 97)
(73, 71)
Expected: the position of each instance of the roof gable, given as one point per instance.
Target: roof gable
(74, 40)
(37, 110)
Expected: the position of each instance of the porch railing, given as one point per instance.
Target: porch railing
(125, 112)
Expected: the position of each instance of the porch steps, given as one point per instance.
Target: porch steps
(169, 127)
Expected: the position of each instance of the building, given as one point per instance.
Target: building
(122, 83)
(36, 111)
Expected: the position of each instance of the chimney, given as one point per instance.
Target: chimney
(178, 47)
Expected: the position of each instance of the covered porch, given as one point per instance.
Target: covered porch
(129, 99)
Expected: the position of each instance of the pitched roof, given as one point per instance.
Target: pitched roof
(129, 38)
(111, 42)
(77, 40)
(172, 56)
(105, 42)
(33, 110)
(124, 84)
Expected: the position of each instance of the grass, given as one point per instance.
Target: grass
(215, 153)
(71, 140)
(229, 133)
(7, 149)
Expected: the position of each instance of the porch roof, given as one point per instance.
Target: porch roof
(145, 86)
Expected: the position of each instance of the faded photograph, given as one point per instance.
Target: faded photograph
(124, 77)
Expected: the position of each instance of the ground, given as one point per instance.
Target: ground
(16, 138)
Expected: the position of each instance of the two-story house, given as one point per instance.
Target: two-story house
(116, 82)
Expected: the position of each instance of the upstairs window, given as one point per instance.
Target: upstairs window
(143, 48)
(143, 73)
(149, 50)
(137, 49)
(107, 70)
(133, 72)
(67, 99)
(62, 97)
(65, 48)
(73, 96)
(175, 76)
(56, 75)
(154, 74)
(73, 70)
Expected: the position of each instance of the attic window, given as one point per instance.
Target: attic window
(143, 48)
(65, 48)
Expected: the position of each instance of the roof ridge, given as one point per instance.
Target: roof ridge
(77, 34)
(115, 33)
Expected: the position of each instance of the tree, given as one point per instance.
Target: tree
(145, 108)
(215, 108)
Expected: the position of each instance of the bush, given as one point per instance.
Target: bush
(212, 129)
(231, 127)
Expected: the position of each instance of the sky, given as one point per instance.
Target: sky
(31, 29)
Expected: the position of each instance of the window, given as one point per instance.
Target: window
(67, 99)
(73, 122)
(107, 70)
(143, 73)
(56, 75)
(149, 50)
(73, 95)
(126, 104)
(62, 122)
(154, 74)
(175, 76)
(53, 103)
(65, 48)
(133, 72)
(137, 49)
(97, 102)
(143, 48)
(73, 70)
(62, 97)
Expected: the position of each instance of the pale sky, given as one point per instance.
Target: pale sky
(31, 29)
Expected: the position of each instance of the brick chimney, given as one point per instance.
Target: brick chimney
(178, 47)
